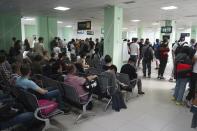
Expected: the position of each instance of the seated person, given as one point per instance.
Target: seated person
(117, 97)
(82, 60)
(26, 84)
(57, 73)
(63, 58)
(5, 68)
(53, 59)
(46, 57)
(130, 69)
(76, 81)
(15, 73)
(108, 62)
(36, 66)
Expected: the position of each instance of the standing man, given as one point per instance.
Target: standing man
(134, 50)
(39, 47)
(156, 47)
(141, 44)
(147, 54)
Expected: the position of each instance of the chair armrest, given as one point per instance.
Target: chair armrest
(86, 94)
(37, 111)
(133, 80)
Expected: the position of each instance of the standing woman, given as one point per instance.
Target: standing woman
(163, 52)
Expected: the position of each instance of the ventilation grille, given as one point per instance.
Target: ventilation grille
(129, 2)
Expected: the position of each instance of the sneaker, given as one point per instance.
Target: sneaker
(159, 77)
(171, 80)
(144, 76)
(179, 103)
(141, 93)
(162, 78)
(149, 76)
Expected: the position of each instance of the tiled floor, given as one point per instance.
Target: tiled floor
(152, 112)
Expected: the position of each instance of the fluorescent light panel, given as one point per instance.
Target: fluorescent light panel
(155, 23)
(69, 26)
(124, 28)
(28, 18)
(59, 22)
(181, 28)
(135, 20)
(169, 8)
(61, 8)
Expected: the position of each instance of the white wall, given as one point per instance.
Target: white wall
(95, 28)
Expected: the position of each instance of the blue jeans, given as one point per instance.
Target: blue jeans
(57, 95)
(24, 118)
(180, 88)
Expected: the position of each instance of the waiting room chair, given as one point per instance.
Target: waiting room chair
(72, 96)
(42, 113)
(130, 84)
(93, 71)
(103, 81)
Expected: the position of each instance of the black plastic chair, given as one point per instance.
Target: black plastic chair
(107, 88)
(31, 104)
(130, 84)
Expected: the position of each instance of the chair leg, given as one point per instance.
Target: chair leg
(49, 126)
(106, 107)
(85, 113)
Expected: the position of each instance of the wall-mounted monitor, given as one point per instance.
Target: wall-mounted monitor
(185, 35)
(85, 25)
(166, 29)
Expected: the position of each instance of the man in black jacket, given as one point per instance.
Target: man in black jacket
(130, 69)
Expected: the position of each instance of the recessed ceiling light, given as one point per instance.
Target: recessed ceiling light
(169, 8)
(181, 28)
(28, 18)
(59, 22)
(68, 26)
(62, 8)
(155, 23)
(124, 28)
(135, 20)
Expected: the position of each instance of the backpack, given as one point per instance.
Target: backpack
(148, 55)
(179, 49)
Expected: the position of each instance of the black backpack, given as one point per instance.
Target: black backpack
(148, 55)
(179, 49)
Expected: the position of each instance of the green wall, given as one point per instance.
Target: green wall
(47, 28)
(10, 26)
(67, 33)
(30, 30)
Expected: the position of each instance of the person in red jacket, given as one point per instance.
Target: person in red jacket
(163, 58)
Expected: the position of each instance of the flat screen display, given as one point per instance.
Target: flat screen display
(85, 25)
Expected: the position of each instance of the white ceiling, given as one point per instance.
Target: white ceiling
(146, 10)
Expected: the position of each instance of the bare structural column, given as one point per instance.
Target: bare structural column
(113, 19)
